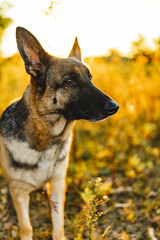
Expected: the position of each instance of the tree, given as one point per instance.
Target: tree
(141, 52)
(139, 46)
(157, 42)
(4, 21)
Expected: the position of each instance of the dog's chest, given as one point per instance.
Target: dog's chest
(52, 157)
(37, 167)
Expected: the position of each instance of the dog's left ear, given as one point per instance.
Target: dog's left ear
(31, 51)
(76, 50)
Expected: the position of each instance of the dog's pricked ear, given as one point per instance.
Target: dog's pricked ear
(31, 51)
(76, 50)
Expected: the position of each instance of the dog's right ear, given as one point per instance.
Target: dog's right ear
(76, 50)
(31, 52)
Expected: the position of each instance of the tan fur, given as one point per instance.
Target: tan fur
(35, 126)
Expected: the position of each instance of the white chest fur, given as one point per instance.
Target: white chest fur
(51, 163)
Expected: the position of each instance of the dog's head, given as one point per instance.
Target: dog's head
(62, 86)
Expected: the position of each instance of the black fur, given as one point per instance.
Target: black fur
(17, 164)
(90, 104)
(12, 120)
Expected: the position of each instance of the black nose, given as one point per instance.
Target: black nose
(111, 107)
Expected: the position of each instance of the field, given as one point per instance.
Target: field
(113, 181)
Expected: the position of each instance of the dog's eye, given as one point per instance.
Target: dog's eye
(90, 76)
(69, 82)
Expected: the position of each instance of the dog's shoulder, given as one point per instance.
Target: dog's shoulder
(13, 119)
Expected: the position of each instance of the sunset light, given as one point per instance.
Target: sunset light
(80, 124)
(99, 24)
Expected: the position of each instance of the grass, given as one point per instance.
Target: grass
(122, 151)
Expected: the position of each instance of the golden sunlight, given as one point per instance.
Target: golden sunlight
(99, 25)
(113, 178)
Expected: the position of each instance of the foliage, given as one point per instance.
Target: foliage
(92, 197)
(4, 21)
(13, 80)
(142, 53)
(122, 150)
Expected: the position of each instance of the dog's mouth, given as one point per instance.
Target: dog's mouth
(95, 117)
(99, 113)
(92, 114)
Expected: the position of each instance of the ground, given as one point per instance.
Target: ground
(132, 212)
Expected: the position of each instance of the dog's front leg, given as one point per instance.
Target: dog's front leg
(57, 207)
(21, 204)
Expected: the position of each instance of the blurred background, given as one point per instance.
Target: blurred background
(113, 181)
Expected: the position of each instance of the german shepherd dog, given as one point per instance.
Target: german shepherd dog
(35, 132)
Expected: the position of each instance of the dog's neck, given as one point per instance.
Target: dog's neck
(42, 134)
